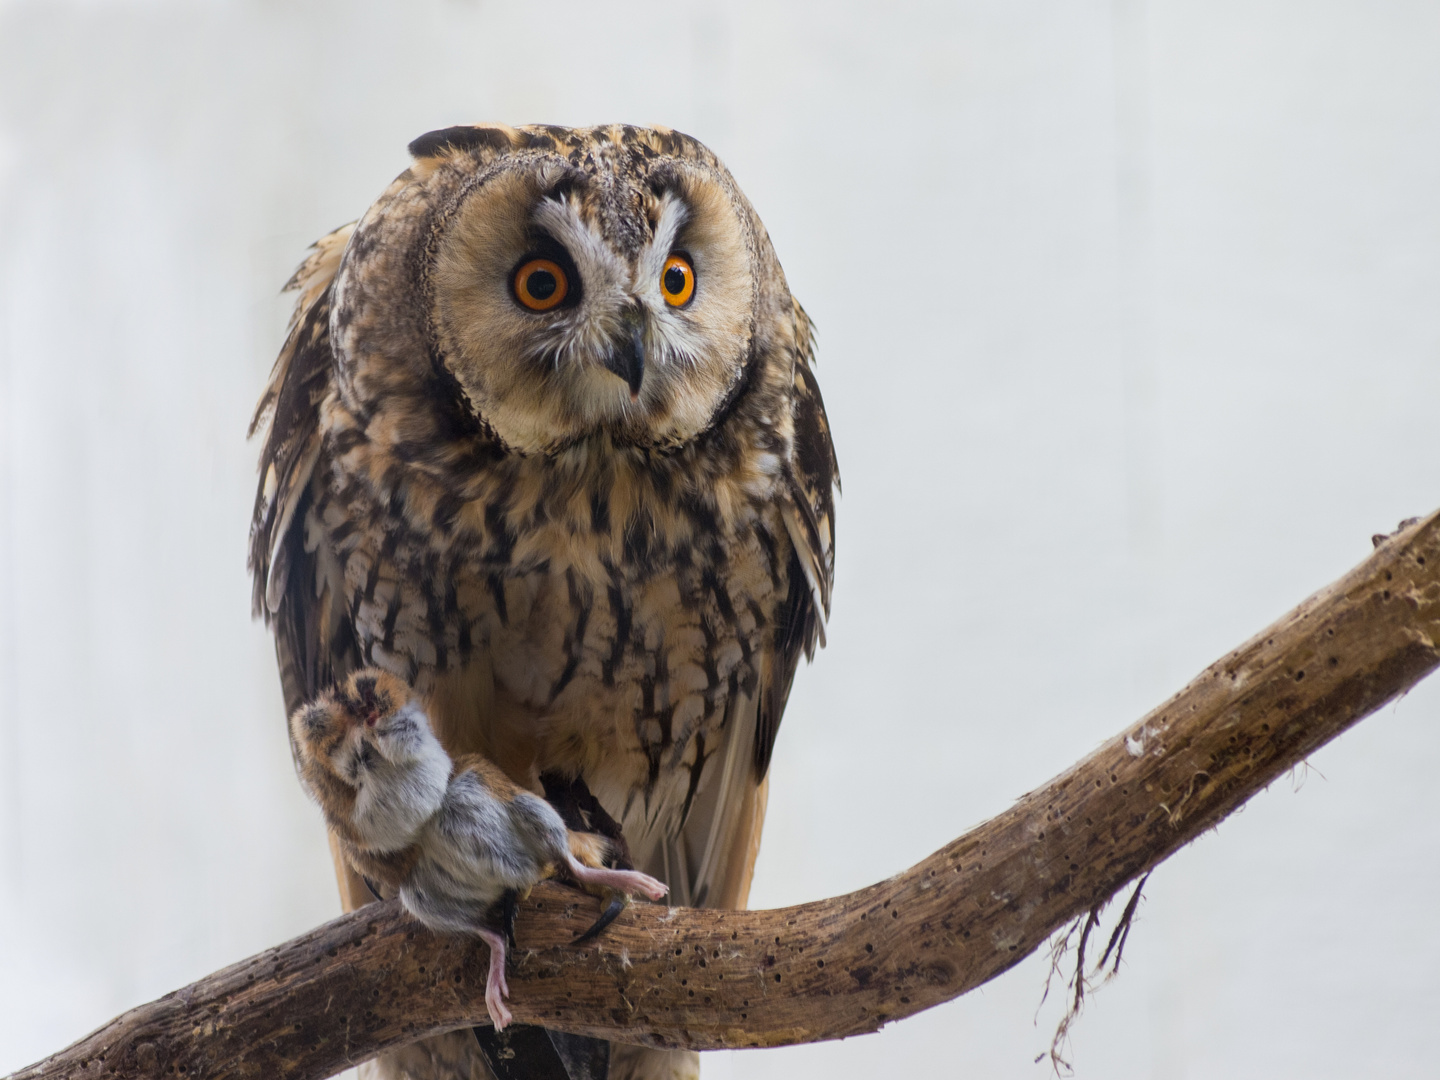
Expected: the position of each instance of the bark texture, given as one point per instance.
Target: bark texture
(706, 979)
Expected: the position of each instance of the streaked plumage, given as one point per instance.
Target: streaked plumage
(576, 578)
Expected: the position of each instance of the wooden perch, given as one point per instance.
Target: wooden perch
(704, 979)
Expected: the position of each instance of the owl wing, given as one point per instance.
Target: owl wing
(809, 516)
(297, 583)
(711, 862)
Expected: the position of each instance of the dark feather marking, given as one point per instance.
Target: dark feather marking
(621, 612)
(695, 770)
(447, 509)
(772, 557)
(795, 628)
(435, 623)
(392, 615)
(814, 452)
(600, 512)
(732, 697)
(701, 512)
(342, 442)
(372, 581)
(495, 584)
(711, 665)
(638, 533)
(574, 639)
(500, 534)
(464, 137)
(717, 589)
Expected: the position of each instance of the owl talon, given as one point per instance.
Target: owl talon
(509, 908)
(608, 916)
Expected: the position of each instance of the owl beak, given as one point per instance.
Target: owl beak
(627, 355)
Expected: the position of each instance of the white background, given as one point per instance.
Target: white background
(1129, 336)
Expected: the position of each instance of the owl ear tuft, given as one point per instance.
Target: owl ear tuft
(463, 137)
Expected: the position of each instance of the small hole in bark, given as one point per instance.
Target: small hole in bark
(869, 948)
(1333, 661)
(1385, 595)
(1389, 576)
(1300, 675)
(777, 976)
(819, 963)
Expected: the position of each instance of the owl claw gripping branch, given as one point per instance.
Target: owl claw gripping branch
(452, 837)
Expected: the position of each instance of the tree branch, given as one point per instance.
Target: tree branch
(705, 979)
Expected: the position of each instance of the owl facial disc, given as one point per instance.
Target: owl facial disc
(606, 294)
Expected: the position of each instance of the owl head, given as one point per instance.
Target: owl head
(553, 284)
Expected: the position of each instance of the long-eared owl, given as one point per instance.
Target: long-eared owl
(545, 441)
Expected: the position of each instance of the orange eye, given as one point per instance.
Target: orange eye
(540, 284)
(677, 281)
